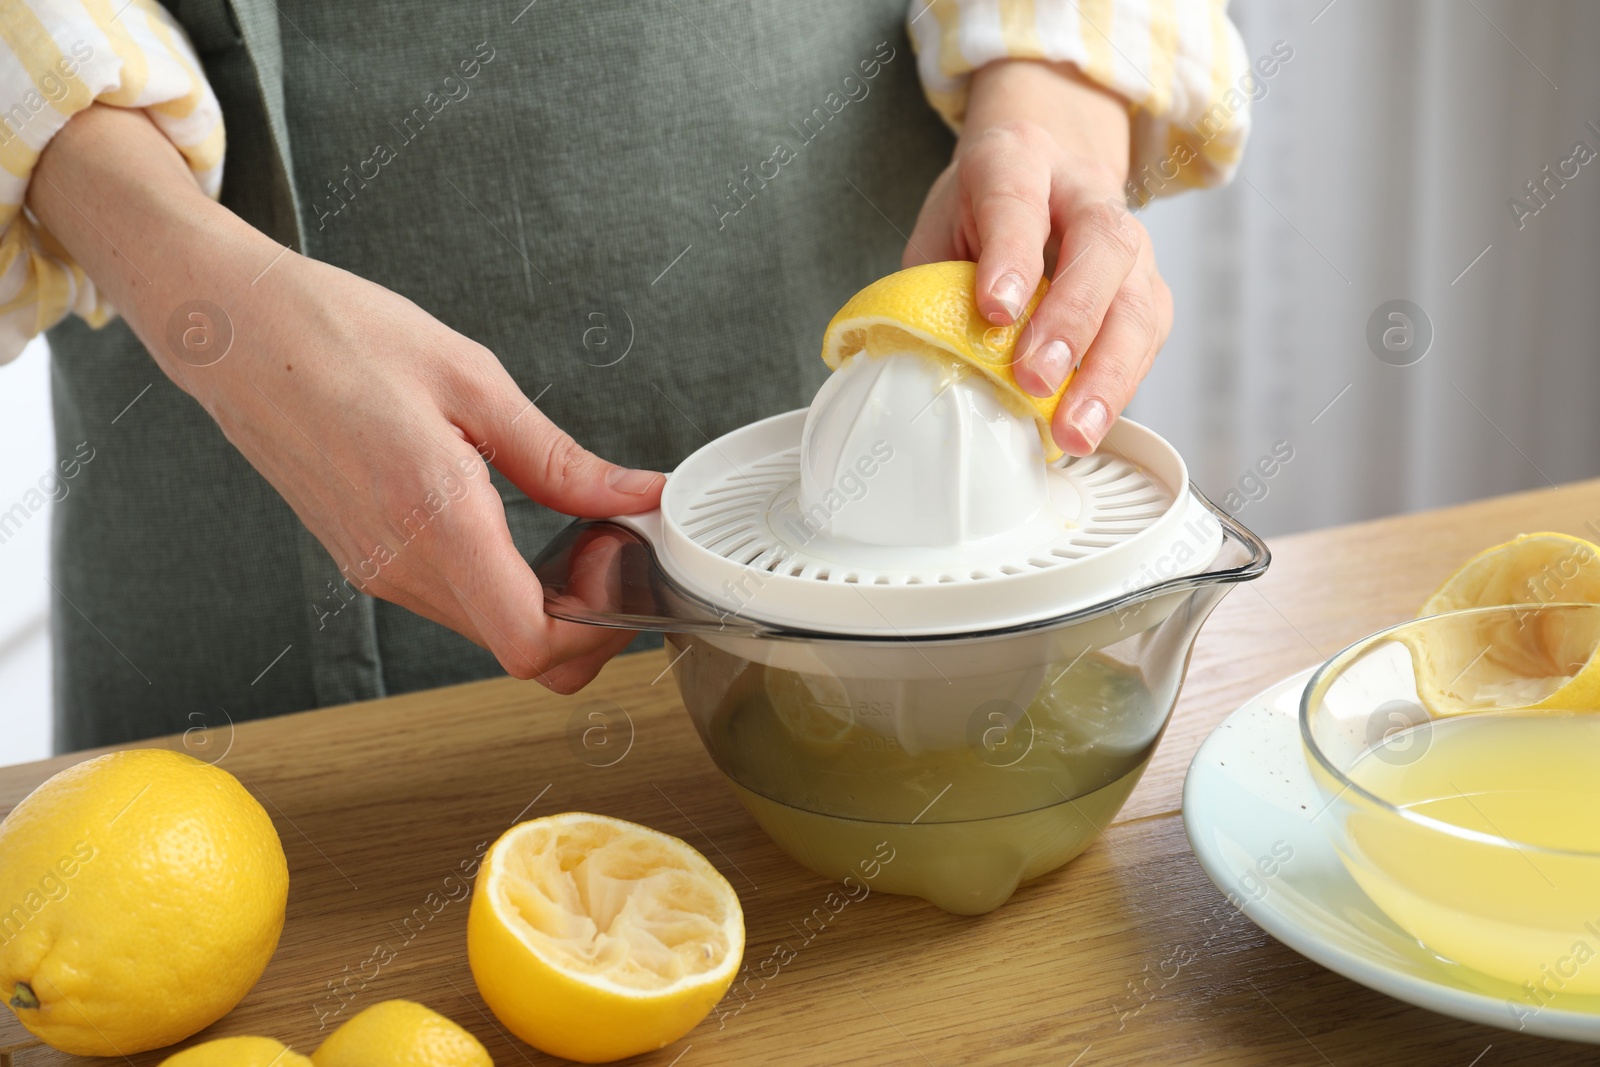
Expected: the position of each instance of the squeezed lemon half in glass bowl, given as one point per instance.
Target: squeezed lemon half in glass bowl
(1459, 755)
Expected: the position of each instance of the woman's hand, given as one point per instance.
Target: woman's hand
(375, 421)
(1036, 184)
(372, 418)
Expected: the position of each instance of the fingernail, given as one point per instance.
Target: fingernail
(1008, 292)
(1051, 361)
(1092, 418)
(628, 480)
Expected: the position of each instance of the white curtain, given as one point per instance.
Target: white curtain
(1384, 156)
(27, 457)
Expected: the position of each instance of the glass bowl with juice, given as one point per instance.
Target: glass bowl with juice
(951, 766)
(951, 769)
(1459, 760)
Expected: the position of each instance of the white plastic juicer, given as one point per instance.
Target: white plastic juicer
(897, 626)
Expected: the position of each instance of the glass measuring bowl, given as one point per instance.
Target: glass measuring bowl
(953, 768)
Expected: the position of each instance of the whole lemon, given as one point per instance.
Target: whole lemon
(141, 895)
(238, 1052)
(400, 1033)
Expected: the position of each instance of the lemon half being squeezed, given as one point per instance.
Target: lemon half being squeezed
(932, 309)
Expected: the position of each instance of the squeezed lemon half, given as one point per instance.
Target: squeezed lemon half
(1534, 660)
(931, 309)
(595, 939)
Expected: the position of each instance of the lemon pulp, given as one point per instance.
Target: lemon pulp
(1535, 659)
(596, 939)
(605, 903)
(1520, 914)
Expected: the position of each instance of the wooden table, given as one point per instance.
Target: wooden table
(377, 803)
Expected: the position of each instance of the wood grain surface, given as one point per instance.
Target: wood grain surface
(379, 803)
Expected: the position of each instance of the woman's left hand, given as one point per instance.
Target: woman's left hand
(1036, 184)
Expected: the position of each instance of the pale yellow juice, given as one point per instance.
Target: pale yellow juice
(964, 824)
(1528, 914)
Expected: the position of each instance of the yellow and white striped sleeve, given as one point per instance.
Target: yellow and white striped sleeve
(1180, 64)
(56, 58)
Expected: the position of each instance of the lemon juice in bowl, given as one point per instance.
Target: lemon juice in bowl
(1460, 755)
(960, 823)
(1529, 777)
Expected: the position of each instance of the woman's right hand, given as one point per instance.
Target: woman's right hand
(374, 421)
(372, 418)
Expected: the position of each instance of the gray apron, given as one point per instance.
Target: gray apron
(648, 212)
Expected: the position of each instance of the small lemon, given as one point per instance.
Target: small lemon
(238, 1052)
(933, 309)
(400, 1033)
(595, 939)
(1542, 661)
(142, 893)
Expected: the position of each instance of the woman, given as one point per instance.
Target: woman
(452, 242)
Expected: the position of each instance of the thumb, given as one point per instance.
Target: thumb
(544, 462)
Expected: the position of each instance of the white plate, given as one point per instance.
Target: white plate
(1249, 807)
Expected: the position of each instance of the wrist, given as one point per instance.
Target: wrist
(117, 196)
(1088, 122)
